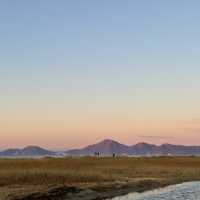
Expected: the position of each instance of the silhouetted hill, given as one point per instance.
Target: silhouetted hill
(27, 151)
(144, 149)
(108, 147)
(105, 147)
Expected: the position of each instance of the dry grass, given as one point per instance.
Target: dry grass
(88, 171)
(75, 171)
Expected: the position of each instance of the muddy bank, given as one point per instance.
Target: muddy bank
(99, 192)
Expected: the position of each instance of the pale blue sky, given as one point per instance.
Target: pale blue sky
(136, 61)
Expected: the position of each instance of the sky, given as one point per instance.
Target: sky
(76, 72)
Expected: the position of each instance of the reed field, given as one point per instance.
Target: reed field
(34, 174)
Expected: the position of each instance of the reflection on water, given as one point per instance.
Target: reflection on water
(185, 191)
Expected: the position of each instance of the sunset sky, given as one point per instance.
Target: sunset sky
(76, 72)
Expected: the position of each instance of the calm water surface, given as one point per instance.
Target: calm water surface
(185, 191)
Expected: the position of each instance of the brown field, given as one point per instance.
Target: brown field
(27, 175)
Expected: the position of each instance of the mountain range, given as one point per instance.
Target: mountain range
(29, 151)
(107, 147)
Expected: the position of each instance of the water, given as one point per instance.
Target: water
(185, 191)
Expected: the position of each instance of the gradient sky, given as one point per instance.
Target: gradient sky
(75, 72)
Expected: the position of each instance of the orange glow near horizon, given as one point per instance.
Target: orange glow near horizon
(79, 133)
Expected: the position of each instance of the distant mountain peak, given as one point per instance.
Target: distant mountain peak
(142, 144)
(108, 142)
(105, 147)
(31, 147)
(27, 151)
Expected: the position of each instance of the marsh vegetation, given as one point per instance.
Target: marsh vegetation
(21, 176)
